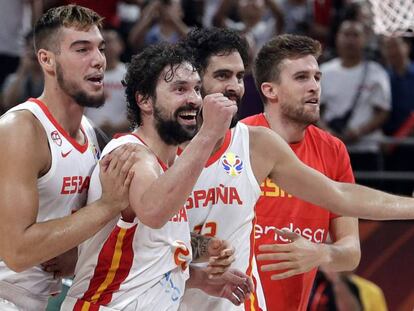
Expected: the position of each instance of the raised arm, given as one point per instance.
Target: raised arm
(310, 185)
(344, 253)
(25, 157)
(156, 198)
(223, 9)
(136, 37)
(277, 15)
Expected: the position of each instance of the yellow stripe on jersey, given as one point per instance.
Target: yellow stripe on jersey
(252, 301)
(116, 259)
(86, 306)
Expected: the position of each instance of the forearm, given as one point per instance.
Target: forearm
(221, 13)
(277, 14)
(343, 198)
(45, 240)
(375, 123)
(137, 34)
(197, 277)
(366, 203)
(343, 255)
(180, 27)
(166, 196)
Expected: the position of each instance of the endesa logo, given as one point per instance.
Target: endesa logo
(317, 235)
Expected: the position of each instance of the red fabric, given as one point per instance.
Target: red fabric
(322, 12)
(103, 267)
(252, 304)
(406, 128)
(80, 147)
(279, 209)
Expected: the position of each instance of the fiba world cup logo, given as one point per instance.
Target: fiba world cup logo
(232, 164)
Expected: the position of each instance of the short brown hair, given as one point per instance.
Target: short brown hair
(49, 24)
(267, 63)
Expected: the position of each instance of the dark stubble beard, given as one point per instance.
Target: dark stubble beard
(79, 96)
(170, 130)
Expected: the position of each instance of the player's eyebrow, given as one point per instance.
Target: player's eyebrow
(85, 42)
(183, 82)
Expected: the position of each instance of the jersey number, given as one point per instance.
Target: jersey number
(210, 229)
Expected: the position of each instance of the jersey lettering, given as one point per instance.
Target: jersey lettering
(210, 229)
(270, 189)
(181, 255)
(220, 194)
(317, 236)
(180, 216)
(74, 184)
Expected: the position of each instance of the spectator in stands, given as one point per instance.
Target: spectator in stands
(258, 27)
(333, 291)
(112, 117)
(161, 21)
(106, 9)
(356, 97)
(194, 12)
(12, 33)
(253, 22)
(360, 11)
(27, 81)
(396, 51)
(298, 16)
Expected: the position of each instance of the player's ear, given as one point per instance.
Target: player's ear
(269, 90)
(46, 60)
(144, 103)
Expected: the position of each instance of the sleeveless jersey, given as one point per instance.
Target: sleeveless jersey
(124, 260)
(62, 190)
(278, 209)
(222, 205)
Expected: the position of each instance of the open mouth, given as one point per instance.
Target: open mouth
(313, 101)
(96, 80)
(188, 116)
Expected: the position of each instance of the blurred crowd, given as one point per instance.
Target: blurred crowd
(367, 79)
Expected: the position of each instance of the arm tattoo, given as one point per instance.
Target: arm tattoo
(199, 245)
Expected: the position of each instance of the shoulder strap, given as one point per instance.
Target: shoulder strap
(361, 84)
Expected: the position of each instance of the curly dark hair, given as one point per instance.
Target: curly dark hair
(207, 42)
(144, 71)
(266, 66)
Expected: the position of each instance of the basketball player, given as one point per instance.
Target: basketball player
(288, 65)
(48, 151)
(222, 201)
(139, 261)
